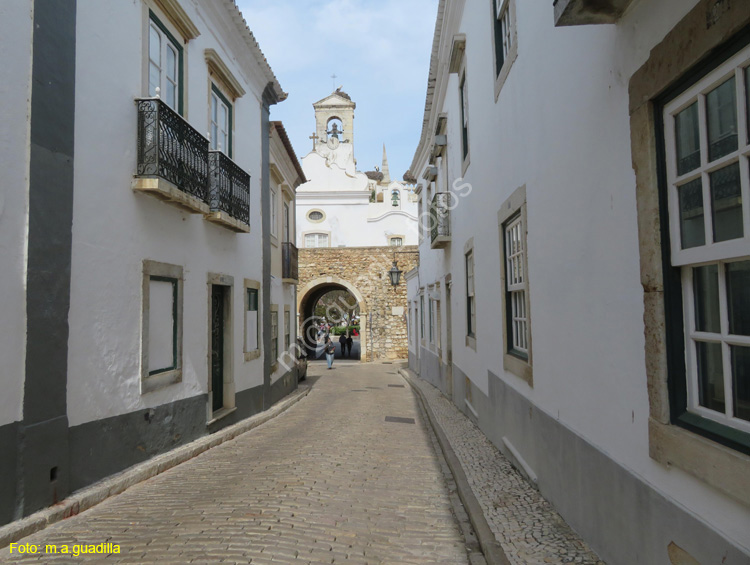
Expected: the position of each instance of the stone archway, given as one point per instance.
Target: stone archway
(309, 294)
(363, 272)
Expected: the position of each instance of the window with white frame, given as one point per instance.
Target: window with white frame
(274, 333)
(395, 241)
(464, 117)
(221, 122)
(316, 240)
(164, 64)
(471, 313)
(515, 287)
(707, 148)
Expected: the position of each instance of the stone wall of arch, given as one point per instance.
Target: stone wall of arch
(364, 272)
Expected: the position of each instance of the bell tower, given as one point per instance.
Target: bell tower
(334, 119)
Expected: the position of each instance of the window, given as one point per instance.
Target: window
(464, 118)
(285, 219)
(316, 240)
(287, 328)
(707, 149)
(315, 216)
(515, 288)
(221, 122)
(252, 320)
(471, 314)
(165, 64)
(516, 320)
(396, 241)
(421, 317)
(161, 357)
(274, 334)
(432, 321)
(274, 228)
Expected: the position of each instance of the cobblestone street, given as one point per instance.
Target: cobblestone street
(328, 481)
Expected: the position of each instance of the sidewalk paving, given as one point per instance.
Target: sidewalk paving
(526, 526)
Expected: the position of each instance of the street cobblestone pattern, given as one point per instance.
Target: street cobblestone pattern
(366, 269)
(327, 481)
(527, 527)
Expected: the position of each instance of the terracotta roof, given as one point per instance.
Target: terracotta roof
(290, 150)
(252, 43)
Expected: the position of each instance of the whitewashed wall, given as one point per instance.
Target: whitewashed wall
(115, 229)
(16, 23)
(561, 128)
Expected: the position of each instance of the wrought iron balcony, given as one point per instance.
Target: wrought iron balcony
(440, 220)
(289, 263)
(229, 193)
(171, 150)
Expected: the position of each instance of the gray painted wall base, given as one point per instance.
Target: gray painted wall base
(249, 402)
(623, 519)
(283, 386)
(104, 447)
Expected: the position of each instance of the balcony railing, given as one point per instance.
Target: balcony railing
(229, 187)
(289, 262)
(175, 164)
(171, 149)
(440, 219)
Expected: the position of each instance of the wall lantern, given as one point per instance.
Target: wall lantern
(395, 274)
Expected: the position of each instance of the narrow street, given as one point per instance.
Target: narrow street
(328, 481)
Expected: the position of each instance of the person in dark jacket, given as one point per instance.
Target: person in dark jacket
(342, 343)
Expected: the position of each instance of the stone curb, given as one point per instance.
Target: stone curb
(116, 484)
(493, 552)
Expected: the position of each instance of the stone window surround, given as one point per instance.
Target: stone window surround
(512, 53)
(681, 50)
(229, 405)
(310, 211)
(304, 233)
(288, 326)
(471, 340)
(151, 383)
(513, 205)
(256, 353)
(275, 362)
(397, 236)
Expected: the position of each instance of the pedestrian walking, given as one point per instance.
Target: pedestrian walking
(342, 343)
(349, 343)
(330, 349)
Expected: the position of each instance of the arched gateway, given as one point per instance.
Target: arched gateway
(363, 272)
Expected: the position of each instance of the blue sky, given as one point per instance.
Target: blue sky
(380, 52)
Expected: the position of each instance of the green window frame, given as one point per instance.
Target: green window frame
(230, 110)
(180, 59)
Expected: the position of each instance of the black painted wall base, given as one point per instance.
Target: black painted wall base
(8, 471)
(104, 447)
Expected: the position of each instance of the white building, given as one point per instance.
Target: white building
(583, 293)
(340, 206)
(136, 241)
